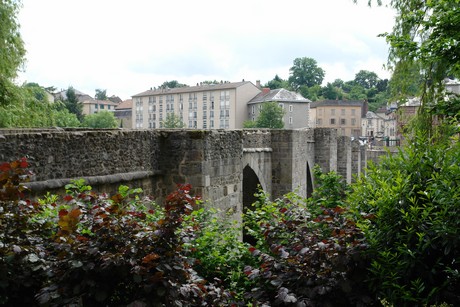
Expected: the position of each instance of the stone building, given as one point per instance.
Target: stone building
(92, 106)
(296, 107)
(343, 115)
(123, 112)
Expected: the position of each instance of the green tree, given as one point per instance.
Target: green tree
(331, 92)
(72, 104)
(173, 121)
(277, 83)
(101, 119)
(172, 84)
(270, 116)
(12, 51)
(313, 93)
(101, 94)
(408, 204)
(367, 79)
(305, 71)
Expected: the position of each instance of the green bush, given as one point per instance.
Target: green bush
(311, 251)
(214, 241)
(90, 249)
(409, 208)
(24, 258)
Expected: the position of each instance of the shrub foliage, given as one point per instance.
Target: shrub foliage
(311, 251)
(408, 206)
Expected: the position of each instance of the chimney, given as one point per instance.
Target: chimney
(258, 83)
(266, 90)
(365, 108)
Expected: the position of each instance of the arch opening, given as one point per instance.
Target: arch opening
(251, 184)
(309, 182)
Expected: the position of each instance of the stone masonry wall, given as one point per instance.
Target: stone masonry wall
(156, 160)
(105, 156)
(344, 157)
(326, 149)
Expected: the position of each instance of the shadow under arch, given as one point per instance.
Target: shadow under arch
(251, 185)
(309, 182)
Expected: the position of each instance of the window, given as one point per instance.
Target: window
(101, 106)
(319, 121)
(253, 109)
(353, 121)
(320, 111)
(332, 111)
(332, 121)
(290, 108)
(353, 112)
(281, 105)
(290, 120)
(343, 121)
(342, 112)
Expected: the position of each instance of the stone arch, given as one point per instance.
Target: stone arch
(309, 182)
(251, 186)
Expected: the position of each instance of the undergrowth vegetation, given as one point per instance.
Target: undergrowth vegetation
(391, 239)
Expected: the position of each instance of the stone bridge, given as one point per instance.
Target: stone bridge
(224, 166)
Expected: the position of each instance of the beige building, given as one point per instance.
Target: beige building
(343, 115)
(93, 106)
(296, 107)
(124, 113)
(203, 106)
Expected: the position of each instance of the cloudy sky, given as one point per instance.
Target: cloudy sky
(126, 47)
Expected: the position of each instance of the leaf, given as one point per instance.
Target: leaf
(150, 258)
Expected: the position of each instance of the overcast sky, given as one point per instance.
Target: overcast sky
(126, 47)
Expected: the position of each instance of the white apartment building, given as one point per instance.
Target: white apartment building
(205, 106)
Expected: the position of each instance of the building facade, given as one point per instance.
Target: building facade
(124, 113)
(343, 115)
(296, 108)
(205, 106)
(93, 106)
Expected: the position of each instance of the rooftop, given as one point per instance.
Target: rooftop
(279, 95)
(188, 89)
(332, 103)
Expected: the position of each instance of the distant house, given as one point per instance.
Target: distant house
(344, 115)
(296, 107)
(62, 95)
(205, 106)
(123, 112)
(93, 106)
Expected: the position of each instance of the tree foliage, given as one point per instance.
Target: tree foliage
(173, 121)
(277, 83)
(12, 52)
(367, 79)
(305, 71)
(100, 120)
(172, 84)
(72, 104)
(408, 207)
(12, 49)
(270, 116)
(101, 94)
(33, 109)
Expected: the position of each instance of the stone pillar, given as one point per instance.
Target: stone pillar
(344, 157)
(326, 148)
